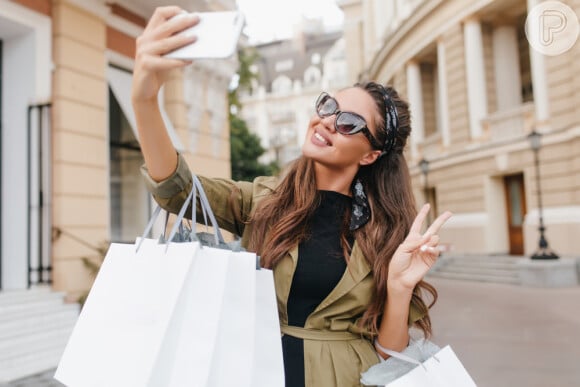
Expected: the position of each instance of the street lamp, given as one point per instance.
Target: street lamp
(424, 166)
(543, 252)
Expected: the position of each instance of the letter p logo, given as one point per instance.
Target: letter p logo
(552, 27)
(551, 23)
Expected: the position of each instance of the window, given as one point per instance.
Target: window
(312, 76)
(130, 203)
(282, 84)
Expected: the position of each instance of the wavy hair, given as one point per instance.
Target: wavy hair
(280, 220)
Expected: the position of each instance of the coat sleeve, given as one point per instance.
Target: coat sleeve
(230, 201)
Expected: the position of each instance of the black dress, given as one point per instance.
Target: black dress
(320, 267)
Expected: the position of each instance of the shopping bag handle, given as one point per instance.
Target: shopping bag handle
(206, 209)
(196, 188)
(398, 355)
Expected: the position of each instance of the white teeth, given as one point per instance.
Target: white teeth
(319, 137)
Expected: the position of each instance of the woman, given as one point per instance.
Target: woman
(339, 230)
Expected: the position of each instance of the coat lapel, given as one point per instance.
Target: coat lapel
(357, 270)
(283, 274)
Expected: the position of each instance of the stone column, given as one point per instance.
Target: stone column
(442, 94)
(539, 81)
(475, 70)
(415, 96)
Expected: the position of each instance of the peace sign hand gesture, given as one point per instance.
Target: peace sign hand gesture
(417, 254)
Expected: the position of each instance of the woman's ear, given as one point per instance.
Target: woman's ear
(370, 157)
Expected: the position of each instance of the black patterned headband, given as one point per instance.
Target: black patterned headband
(391, 122)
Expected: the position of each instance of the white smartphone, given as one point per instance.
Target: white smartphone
(217, 36)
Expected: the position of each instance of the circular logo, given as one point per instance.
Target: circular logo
(552, 28)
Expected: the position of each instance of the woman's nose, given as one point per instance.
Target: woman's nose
(328, 122)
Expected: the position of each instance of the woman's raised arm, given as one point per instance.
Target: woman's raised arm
(151, 70)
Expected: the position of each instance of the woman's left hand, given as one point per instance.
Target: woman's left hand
(417, 254)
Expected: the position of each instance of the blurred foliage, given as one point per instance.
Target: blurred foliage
(245, 146)
(245, 151)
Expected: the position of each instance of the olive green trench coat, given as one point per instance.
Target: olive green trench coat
(336, 349)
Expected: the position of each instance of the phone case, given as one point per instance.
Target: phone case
(217, 36)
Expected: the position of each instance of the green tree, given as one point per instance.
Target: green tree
(245, 151)
(245, 146)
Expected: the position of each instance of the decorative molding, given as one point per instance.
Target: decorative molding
(492, 149)
(423, 11)
(124, 25)
(554, 215)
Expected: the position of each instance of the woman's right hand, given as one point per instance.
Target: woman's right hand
(159, 38)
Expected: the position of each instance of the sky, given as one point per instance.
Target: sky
(268, 20)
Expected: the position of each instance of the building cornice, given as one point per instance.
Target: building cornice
(408, 27)
(123, 25)
(565, 135)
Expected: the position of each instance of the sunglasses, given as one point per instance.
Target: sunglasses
(346, 123)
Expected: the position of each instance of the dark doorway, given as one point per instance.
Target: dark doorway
(516, 210)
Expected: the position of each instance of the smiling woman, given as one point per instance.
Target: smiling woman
(339, 228)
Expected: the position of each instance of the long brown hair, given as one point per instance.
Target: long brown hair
(280, 220)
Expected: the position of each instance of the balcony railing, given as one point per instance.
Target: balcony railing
(510, 123)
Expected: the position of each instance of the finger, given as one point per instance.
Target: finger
(433, 241)
(429, 259)
(412, 244)
(174, 26)
(161, 15)
(419, 219)
(441, 219)
(161, 63)
(163, 46)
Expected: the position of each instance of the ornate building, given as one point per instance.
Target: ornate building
(477, 90)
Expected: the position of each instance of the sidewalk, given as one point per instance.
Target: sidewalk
(505, 335)
(509, 335)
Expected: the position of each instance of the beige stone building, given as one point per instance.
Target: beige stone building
(69, 154)
(477, 89)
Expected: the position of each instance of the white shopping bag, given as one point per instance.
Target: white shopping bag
(185, 358)
(235, 343)
(441, 370)
(121, 328)
(175, 315)
(268, 367)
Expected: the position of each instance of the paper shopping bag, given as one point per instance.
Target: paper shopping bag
(268, 367)
(186, 357)
(121, 328)
(441, 370)
(233, 358)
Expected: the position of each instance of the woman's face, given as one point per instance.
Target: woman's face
(333, 149)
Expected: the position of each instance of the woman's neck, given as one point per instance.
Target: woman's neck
(333, 179)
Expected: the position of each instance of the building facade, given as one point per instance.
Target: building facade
(291, 73)
(70, 158)
(477, 90)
